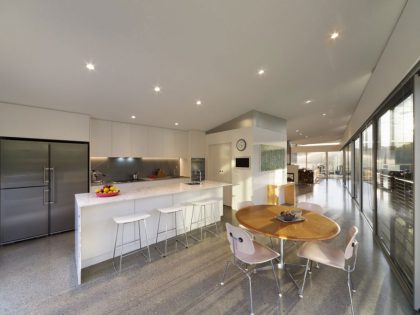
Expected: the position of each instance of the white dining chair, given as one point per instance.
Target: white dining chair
(330, 255)
(249, 252)
(310, 207)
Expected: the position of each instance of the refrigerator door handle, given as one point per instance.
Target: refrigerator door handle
(46, 191)
(46, 180)
(52, 187)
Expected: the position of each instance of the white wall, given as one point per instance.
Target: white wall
(241, 178)
(260, 180)
(400, 55)
(251, 184)
(31, 122)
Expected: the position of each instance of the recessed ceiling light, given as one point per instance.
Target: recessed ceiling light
(261, 71)
(297, 130)
(324, 114)
(306, 136)
(334, 35)
(308, 101)
(176, 124)
(157, 89)
(133, 117)
(300, 134)
(90, 66)
(198, 103)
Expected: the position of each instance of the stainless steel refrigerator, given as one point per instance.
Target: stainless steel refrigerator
(38, 181)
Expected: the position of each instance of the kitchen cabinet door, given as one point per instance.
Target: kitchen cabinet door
(156, 142)
(181, 144)
(197, 144)
(100, 138)
(139, 141)
(121, 142)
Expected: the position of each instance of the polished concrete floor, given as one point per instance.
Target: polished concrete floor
(39, 277)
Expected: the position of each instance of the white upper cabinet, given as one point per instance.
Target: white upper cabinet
(114, 139)
(197, 144)
(121, 143)
(139, 140)
(156, 142)
(176, 143)
(100, 138)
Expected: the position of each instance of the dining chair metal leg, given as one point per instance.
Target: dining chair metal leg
(353, 289)
(276, 278)
(350, 293)
(250, 293)
(224, 272)
(304, 279)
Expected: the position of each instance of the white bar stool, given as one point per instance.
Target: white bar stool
(201, 221)
(126, 220)
(172, 211)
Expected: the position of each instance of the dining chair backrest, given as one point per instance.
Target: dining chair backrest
(240, 241)
(310, 207)
(351, 247)
(244, 204)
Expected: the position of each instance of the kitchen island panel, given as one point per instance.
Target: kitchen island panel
(95, 228)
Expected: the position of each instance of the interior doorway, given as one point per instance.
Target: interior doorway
(220, 168)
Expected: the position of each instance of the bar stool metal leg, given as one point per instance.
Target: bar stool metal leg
(157, 234)
(115, 247)
(138, 223)
(185, 229)
(147, 240)
(122, 246)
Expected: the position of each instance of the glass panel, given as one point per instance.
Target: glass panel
(349, 169)
(335, 164)
(367, 173)
(395, 184)
(301, 160)
(317, 162)
(357, 170)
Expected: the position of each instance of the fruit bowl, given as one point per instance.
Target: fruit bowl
(110, 194)
(107, 191)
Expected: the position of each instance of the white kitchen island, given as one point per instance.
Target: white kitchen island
(95, 228)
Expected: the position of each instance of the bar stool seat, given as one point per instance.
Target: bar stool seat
(201, 221)
(122, 221)
(172, 212)
(131, 218)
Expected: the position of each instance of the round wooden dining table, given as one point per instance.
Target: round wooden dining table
(262, 219)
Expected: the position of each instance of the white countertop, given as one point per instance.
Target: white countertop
(90, 199)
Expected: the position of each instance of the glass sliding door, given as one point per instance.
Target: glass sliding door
(349, 169)
(367, 174)
(395, 185)
(357, 171)
(301, 159)
(317, 162)
(335, 164)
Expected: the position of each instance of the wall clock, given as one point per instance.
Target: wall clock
(241, 144)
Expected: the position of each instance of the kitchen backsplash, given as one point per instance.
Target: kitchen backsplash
(121, 169)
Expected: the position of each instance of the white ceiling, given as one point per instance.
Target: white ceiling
(195, 49)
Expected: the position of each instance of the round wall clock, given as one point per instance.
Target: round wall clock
(241, 144)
